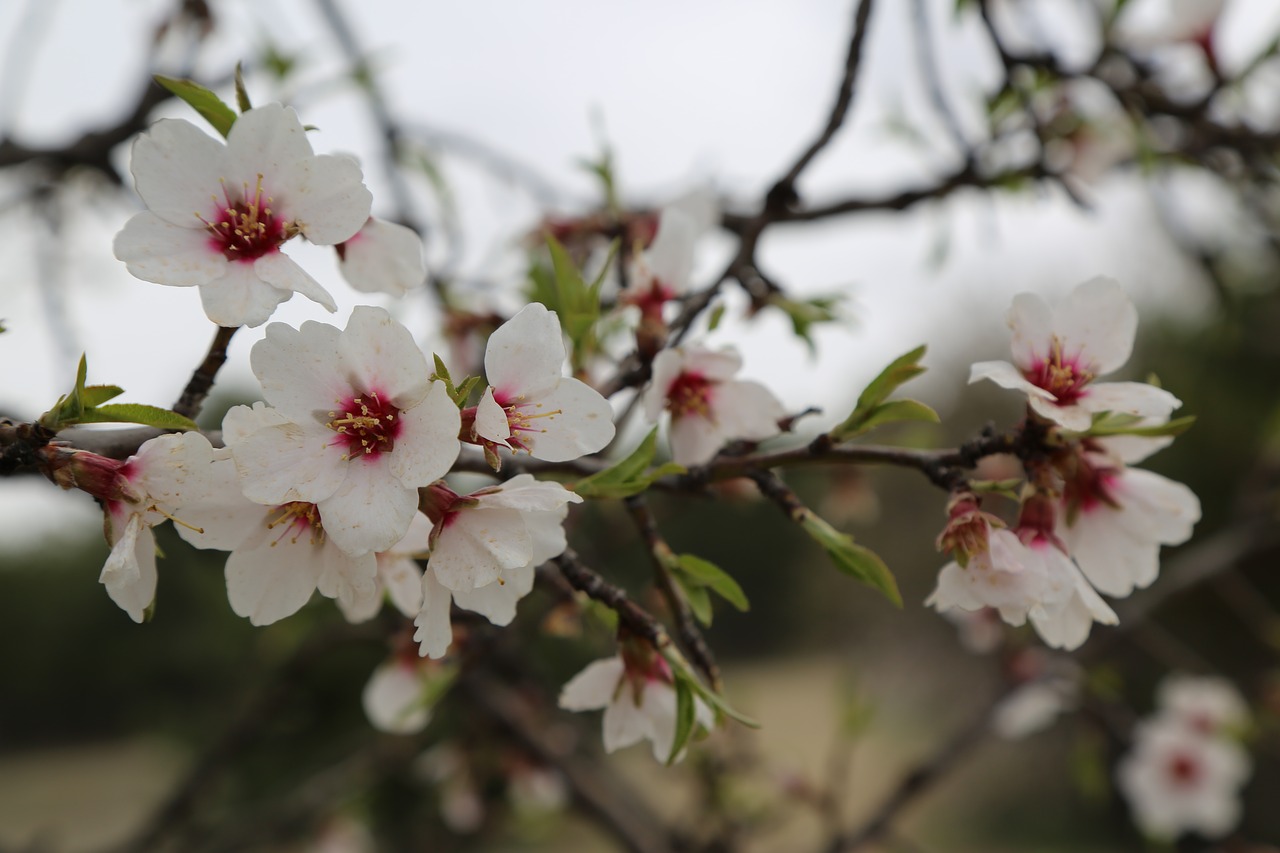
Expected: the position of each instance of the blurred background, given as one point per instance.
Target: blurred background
(198, 732)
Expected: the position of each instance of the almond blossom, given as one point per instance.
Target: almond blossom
(484, 549)
(398, 576)
(1208, 704)
(639, 700)
(359, 427)
(280, 554)
(708, 408)
(382, 257)
(218, 214)
(530, 404)
(1113, 518)
(395, 697)
(1176, 780)
(136, 495)
(1058, 352)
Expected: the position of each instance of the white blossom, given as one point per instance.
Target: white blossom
(484, 549)
(217, 215)
(395, 697)
(639, 704)
(708, 408)
(1176, 779)
(1209, 704)
(359, 427)
(382, 257)
(1058, 352)
(530, 404)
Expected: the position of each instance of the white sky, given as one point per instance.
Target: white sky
(718, 92)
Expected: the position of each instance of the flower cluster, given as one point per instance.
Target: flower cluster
(1088, 523)
(1186, 768)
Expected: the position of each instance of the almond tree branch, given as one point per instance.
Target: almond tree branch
(201, 382)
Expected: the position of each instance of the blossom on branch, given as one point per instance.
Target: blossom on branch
(485, 547)
(530, 404)
(358, 427)
(218, 214)
(636, 691)
(1058, 352)
(382, 257)
(708, 408)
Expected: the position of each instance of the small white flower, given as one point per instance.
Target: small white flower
(708, 408)
(1114, 519)
(280, 554)
(639, 703)
(382, 257)
(360, 427)
(1209, 704)
(661, 272)
(1034, 707)
(1057, 353)
(485, 548)
(218, 214)
(530, 404)
(1178, 780)
(395, 697)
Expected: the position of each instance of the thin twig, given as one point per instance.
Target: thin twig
(201, 382)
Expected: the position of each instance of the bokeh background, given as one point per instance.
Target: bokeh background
(502, 103)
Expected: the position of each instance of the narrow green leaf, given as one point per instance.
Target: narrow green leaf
(717, 314)
(868, 412)
(695, 595)
(242, 94)
(1175, 427)
(96, 395)
(851, 558)
(710, 575)
(136, 413)
(628, 477)
(900, 370)
(685, 718)
(202, 100)
(681, 668)
(895, 411)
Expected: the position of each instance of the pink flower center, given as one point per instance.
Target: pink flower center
(1091, 487)
(1183, 769)
(1063, 377)
(296, 518)
(523, 417)
(367, 424)
(245, 227)
(690, 395)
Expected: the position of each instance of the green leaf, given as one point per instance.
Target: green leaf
(851, 558)
(806, 314)
(136, 413)
(202, 100)
(1122, 425)
(681, 669)
(872, 409)
(696, 596)
(717, 314)
(458, 394)
(628, 477)
(242, 94)
(685, 718)
(96, 395)
(708, 574)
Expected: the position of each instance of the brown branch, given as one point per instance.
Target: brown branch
(636, 619)
(687, 630)
(201, 382)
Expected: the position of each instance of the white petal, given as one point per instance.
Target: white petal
(289, 463)
(524, 493)
(594, 687)
(671, 255)
(240, 421)
(658, 703)
(383, 257)
(584, 425)
(1097, 322)
(394, 697)
(715, 365)
(240, 298)
(161, 252)
(268, 141)
(525, 355)
(130, 571)
(273, 574)
(299, 369)
(695, 440)
(1006, 375)
(491, 421)
(624, 723)
(1074, 417)
(225, 518)
(176, 169)
(1031, 320)
(546, 530)
(352, 581)
(477, 545)
(1132, 449)
(497, 601)
(402, 579)
(328, 199)
(435, 631)
(279, 270)
(746, 410)
(370, 511)
(1110, 556)
(1129, 398)
(427, 445)
(379, 355)
(667, 366)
